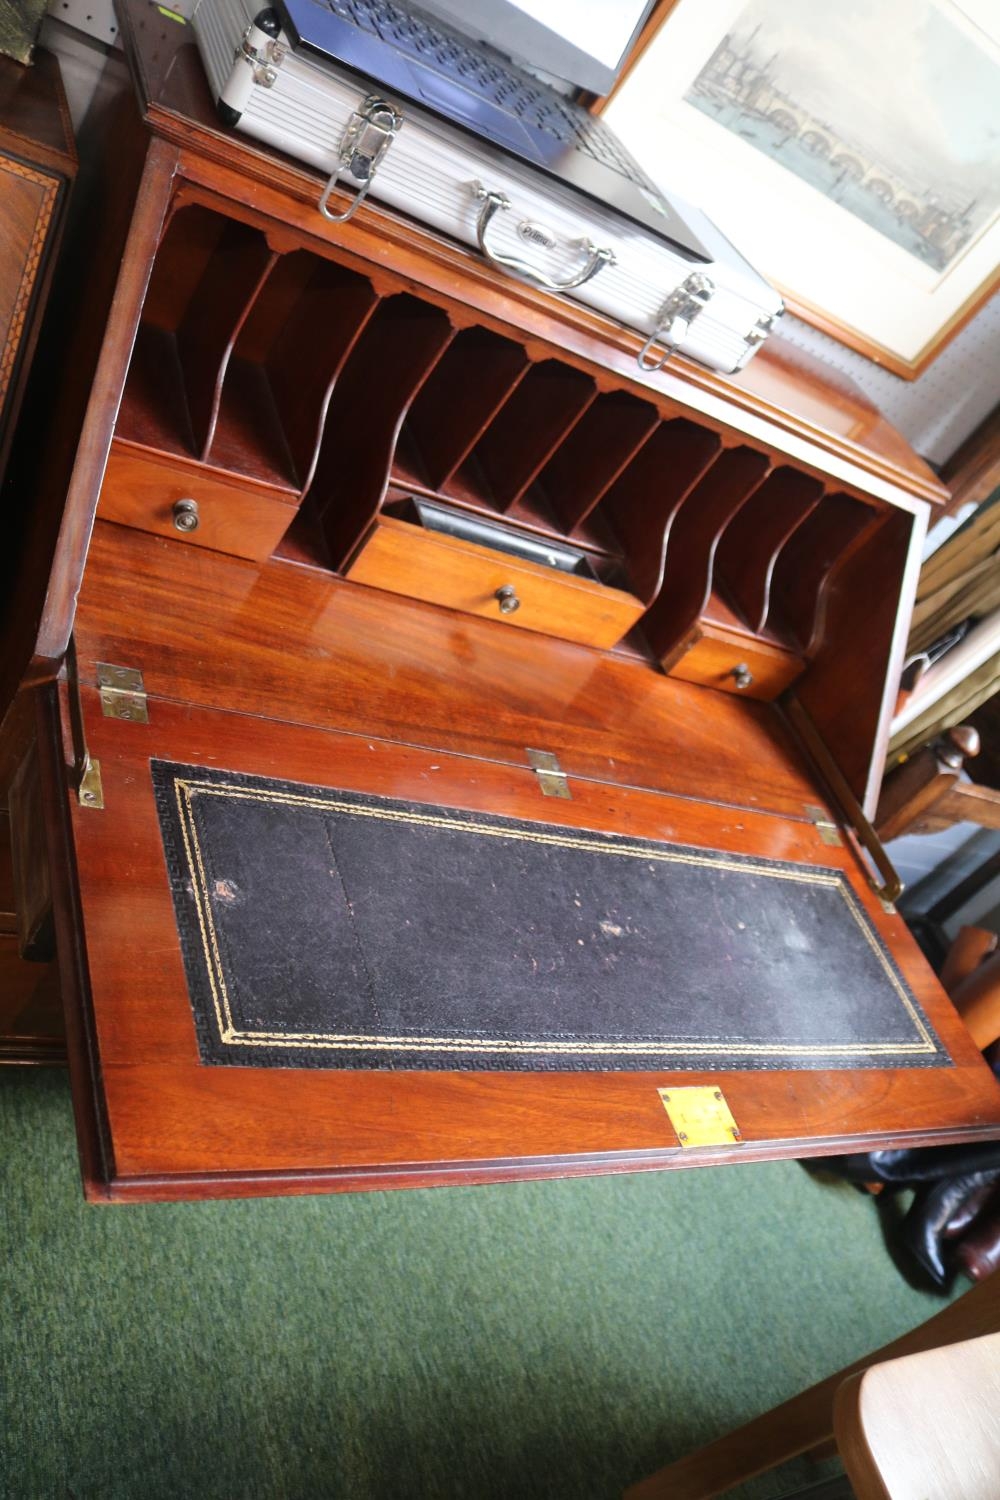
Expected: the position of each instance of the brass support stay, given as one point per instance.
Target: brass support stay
(86, 770)
(891, 887)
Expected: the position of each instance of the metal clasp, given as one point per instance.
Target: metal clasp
(369, 133)
(262, 60)
(758, 333)
(675, 318)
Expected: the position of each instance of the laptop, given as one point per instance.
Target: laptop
(471, 85)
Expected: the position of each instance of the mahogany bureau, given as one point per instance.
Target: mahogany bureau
(350, 512)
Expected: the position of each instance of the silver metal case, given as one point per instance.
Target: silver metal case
(522, 221)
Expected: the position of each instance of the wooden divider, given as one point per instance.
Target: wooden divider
(694, 536)
(399, 347)
(754, 538)
(535, 419)
(641, 504)
(596, 451)
(806, 559)
(473, 380)
(287, 357)
(282, 367)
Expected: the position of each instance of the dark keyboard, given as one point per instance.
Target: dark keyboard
(479, 68)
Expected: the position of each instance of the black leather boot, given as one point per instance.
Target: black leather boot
(905, 1168)
(921, 1233)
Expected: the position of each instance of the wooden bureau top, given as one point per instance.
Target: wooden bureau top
(34, 116)
(784, 395)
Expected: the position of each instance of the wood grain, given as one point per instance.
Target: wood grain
(179, 1127)
(405, 559)
(214, 631)
(713, 654)
(924, 1427)
(245, 520)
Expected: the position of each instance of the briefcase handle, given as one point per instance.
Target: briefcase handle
(493, 201)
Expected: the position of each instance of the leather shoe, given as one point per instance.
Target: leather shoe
(978, 1254)
(921, 1233)
(905, 1168)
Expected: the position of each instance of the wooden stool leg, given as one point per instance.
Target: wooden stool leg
(806, 1420)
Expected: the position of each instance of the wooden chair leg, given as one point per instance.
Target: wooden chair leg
(977, 1000)
(967, 952)
(806, 1420)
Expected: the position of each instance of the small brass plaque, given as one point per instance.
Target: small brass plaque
(700, 1116)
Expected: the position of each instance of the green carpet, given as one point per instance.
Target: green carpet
(539, 1339)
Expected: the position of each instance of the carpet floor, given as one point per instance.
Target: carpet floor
(551, 1339)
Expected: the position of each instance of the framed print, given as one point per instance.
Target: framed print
(850, 150)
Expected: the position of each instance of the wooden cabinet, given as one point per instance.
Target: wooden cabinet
(37, 168)
(37, 165)
(383, 438)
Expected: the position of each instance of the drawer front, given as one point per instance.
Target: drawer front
(751, 669)
(235, 518)
(402, 558)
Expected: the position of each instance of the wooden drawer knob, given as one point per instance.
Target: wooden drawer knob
(507, 598)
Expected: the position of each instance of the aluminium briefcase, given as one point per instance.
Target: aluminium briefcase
(527, 224)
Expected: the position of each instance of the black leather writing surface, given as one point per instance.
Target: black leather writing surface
(328, 929)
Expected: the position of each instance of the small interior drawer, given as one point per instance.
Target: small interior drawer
(235, 517)
(405, 557)
(735, 663)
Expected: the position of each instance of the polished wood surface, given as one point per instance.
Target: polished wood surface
(245, 254)
(241, 519)
(405, 559)
(214, 631)
(776, 509)
(805, 1422)
(178, 1128)
(37, 165)
(726, 660)
(34, 115)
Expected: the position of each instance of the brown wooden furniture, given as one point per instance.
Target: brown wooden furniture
(316, 398)
(37, 167)
(808, 1421)
(929, 792)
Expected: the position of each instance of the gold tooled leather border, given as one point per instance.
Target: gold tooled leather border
(185, 791)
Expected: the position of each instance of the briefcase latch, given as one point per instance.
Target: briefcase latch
(675, 318)
(370, 132)
(758, 333)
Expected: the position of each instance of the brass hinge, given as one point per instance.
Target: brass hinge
(123, 693)
(551, 776)
(824, 824)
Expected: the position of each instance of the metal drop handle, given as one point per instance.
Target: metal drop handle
(492, 202)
